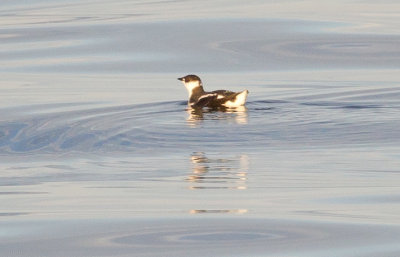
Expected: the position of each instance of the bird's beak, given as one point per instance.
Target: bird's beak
(181, 79)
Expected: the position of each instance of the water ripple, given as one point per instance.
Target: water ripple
(161, 126)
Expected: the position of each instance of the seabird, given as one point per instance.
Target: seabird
(199, 98)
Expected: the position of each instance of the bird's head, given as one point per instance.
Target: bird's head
(191, 82)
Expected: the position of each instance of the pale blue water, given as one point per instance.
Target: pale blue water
(99, 155)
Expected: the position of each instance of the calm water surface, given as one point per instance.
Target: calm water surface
(99, 155)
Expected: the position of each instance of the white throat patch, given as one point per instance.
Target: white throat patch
(190, 86)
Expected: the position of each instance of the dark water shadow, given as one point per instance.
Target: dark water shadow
(11, 214)
(338, 105)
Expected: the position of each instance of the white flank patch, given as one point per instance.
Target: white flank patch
(240, 100)
(220, 96)
(204, 96)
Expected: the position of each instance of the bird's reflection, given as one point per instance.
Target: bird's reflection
(218, 173)
(197, 115)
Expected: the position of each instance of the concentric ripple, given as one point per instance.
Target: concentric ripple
(205, 237)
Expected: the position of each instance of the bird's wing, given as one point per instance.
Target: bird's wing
(204, 100)
(225, 95)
